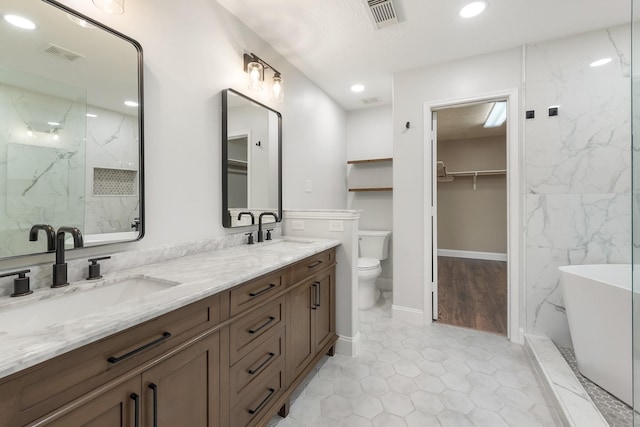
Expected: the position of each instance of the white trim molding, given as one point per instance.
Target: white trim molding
(320, 214)
(489, 256)
(407, 315)
(348, 346)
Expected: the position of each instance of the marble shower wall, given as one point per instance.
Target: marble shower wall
(112, 143)
(41, 165)
(577, 166)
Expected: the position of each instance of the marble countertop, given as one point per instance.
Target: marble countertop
(198, 276)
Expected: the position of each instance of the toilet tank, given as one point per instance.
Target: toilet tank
(374, 243)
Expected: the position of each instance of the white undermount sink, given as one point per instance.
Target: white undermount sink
(41, 313)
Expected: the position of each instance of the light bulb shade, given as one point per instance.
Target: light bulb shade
(255, 70)
(114, 7)
(278, 91)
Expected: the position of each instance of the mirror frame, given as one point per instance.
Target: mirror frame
(141, 186)
(226, 218)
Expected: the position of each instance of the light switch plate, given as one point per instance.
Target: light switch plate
(336, 225)
(297, 225)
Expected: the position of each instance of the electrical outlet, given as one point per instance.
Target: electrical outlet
(297, 225)
(336, 225)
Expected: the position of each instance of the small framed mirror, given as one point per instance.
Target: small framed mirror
(251, 160)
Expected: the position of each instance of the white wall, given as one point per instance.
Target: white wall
(370, 136)
(191, 53)
(463, 79)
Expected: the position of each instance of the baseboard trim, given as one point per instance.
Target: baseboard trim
(348, 346)
(407, 315)
(489, 256)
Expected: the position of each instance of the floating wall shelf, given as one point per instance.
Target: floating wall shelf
(372, 189)
(355, 162)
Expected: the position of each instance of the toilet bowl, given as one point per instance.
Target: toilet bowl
(368, 271)
(373, 248)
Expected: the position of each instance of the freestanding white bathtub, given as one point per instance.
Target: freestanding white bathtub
(598, 303)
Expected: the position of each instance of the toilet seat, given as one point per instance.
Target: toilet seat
(368, 264)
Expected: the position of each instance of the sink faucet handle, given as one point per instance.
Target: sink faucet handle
(20, 283)
(269, 230)
(94, 267)
(250, 238)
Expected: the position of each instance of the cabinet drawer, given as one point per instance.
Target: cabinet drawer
(252, 293)
(311, 265)
(51, 384)
(250, 331)
(256, 365)
(258, 399)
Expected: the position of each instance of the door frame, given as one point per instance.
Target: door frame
(515, 183)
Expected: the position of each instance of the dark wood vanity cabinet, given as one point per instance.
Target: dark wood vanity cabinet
(232, 359)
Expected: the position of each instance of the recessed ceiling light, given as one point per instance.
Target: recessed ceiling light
(93, 116)
(53, 123)
(20, 22)
(473, 9)
(79, 21)
(357, 87)
(131, 103)
(600, 62)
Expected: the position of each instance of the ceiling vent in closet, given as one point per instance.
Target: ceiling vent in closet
(371, 100)
(383, 13)
(60, 52)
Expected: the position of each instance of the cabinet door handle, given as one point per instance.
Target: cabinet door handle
(136, 400)
(154, 388)
(315, 264)
(314, 306)
(266, 399)
(254, 370)
(317, 293)
(116, 359)
(264, 325)
(262, 291)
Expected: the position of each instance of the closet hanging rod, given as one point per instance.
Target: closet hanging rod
(478, 173)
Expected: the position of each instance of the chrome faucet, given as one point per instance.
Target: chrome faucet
(253, 218)
(60, 267)
(273, 214)
(51, 235)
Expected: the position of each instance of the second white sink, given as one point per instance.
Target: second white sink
(39, 314)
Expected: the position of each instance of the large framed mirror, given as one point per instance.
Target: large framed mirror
(251, 160)
(71, 127)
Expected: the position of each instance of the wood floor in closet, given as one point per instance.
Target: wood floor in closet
(472, 293)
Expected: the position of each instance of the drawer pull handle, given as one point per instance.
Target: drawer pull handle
(315, 264)
(264, 325)
(154, 387)
(116, 359)
(253, 371)
(317, 284)
(266, 399)
(314, 296)
(136, 400)
(260, 292)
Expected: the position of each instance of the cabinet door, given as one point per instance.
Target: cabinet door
(118, 407)
(301, 349)
(184, 389)
(324, 326)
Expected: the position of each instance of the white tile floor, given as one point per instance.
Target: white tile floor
(422, 376)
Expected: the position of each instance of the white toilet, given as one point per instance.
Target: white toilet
(374, 246)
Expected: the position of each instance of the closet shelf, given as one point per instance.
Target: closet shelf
(355, 162)
(372, 189)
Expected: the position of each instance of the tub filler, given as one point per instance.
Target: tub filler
(598, 303)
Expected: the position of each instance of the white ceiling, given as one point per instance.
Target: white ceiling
(335, 43)
(467, 122)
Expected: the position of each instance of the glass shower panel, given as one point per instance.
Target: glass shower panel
(635, 204)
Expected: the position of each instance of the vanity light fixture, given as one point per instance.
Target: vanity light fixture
(358, 87)
(114, 7)
(600, 62)
(255, 66)
(20, 22)
(473, 9)
(131, 103)
(93, 116)
(497, 116)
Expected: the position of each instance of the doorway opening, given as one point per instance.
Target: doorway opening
(470, 216)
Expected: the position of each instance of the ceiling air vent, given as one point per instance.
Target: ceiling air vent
(60, 52)
(371, 100)
(383, 13)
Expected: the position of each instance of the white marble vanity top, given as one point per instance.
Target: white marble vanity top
(199, 276)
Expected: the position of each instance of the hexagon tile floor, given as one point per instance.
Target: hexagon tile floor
(431, 376)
